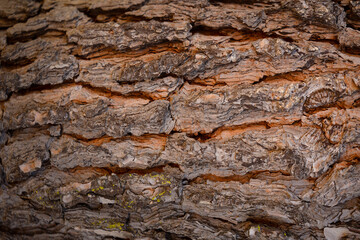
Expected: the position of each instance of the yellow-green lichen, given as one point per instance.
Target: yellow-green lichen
(159, 196)
(108, 224)
(161, 178)
(127, 204)
(115, 225)
(97, 189)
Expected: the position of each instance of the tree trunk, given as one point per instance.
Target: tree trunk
(170, 119)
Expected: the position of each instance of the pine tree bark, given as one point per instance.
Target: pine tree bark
(167, 119)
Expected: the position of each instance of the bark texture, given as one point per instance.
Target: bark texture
(167, 119)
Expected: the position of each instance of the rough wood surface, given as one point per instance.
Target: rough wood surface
(166, 119)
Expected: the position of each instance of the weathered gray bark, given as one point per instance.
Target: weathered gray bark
(166, 119)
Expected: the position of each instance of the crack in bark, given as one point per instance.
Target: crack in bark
(241, 178)
(108, 53)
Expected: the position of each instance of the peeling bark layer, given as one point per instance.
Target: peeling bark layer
(162, 119)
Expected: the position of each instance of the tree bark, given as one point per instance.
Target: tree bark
(167, 119)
